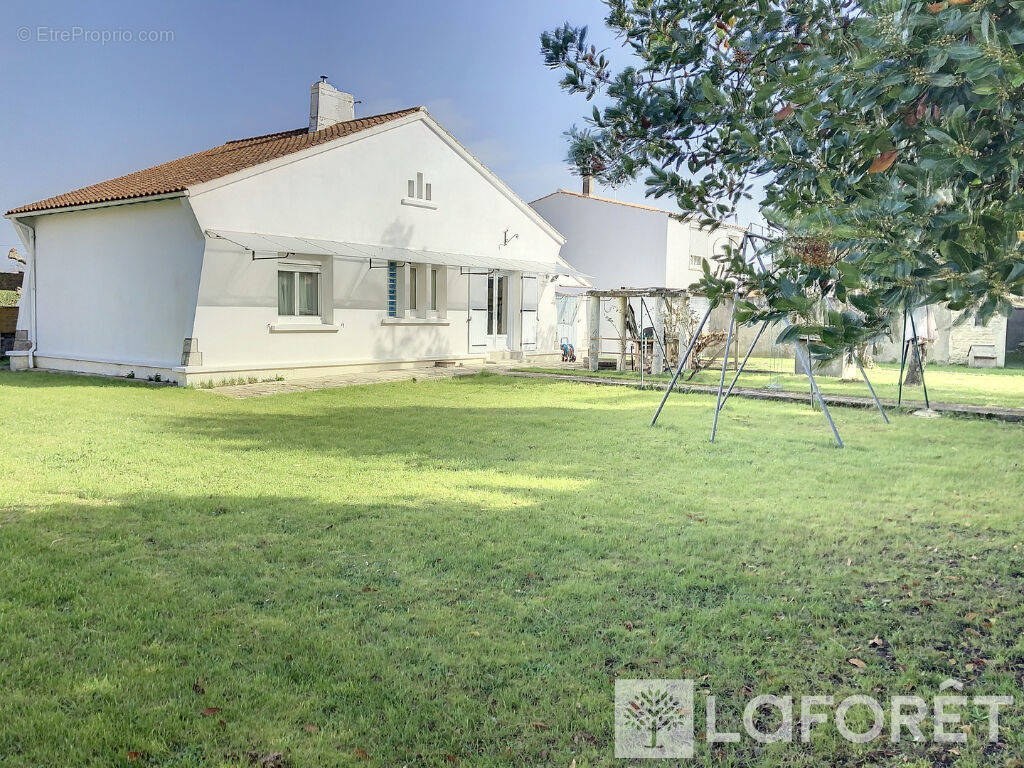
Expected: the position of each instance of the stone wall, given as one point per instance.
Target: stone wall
(962, 337)
(953, 339)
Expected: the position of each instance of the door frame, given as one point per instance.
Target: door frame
(496, 342)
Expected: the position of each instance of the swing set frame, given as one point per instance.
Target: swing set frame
(747, 247)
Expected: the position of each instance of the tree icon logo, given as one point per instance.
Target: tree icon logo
(654, 718)
(654, 710)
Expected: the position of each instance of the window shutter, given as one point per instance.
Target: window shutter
(529, 312)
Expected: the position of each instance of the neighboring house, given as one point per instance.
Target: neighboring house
(620, 245)
(10, 285)
(954, 339)
(373, 242)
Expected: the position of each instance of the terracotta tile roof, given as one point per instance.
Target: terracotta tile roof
(178, 175)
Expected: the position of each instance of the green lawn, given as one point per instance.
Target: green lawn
(455, 572)
(946, 383)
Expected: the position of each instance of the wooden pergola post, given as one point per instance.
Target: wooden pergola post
(620, 364)
(658, 322)
(594, 352)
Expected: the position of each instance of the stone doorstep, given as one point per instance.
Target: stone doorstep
(852, 401)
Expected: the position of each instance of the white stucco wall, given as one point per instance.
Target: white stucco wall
(625, 245)
(116, 284)
(353, 193)
(615, 245)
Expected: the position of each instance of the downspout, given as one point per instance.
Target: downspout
(28, 237)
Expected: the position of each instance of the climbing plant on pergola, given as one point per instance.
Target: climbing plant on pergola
(887, 136)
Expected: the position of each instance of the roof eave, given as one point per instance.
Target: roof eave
(15, 213)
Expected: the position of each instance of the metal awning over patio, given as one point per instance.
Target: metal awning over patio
(282, 245)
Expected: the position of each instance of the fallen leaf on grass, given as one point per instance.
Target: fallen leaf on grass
(628, 625)
(539, 726)
(210, 711)
(360, 753)
(198, 687)
(310, 728)
(133, 755)
(857, 663)
(876, 642)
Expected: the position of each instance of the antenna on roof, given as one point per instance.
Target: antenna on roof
(323, 78)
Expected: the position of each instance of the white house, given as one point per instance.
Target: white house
(619, 244)
(369, 242)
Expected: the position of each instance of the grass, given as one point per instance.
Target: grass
(946, 383)
(9, 298)
(455, 572)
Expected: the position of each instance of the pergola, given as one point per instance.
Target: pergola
(648, 296)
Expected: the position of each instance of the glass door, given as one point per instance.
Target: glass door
(497, 310)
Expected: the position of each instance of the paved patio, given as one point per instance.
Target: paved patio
(264, 388)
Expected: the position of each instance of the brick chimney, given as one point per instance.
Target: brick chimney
(588, 182)
(328, 105)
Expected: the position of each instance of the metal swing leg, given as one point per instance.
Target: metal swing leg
(903, 357)
(682, 362)
(725, 364)
(920, 362)
(814, 388)
(878, 403)
(743, 365)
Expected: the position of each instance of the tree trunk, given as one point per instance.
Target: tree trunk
(914, 372)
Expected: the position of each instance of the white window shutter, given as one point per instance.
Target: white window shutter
(529, 312)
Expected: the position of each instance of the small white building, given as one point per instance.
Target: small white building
(619, 244)
(373, 242)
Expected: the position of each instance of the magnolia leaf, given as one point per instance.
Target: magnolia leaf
(782, 114)
(883, 162)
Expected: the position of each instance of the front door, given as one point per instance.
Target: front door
(489, 319)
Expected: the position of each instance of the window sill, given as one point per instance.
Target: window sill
(303, 328)
(415, 321)
(416, 202)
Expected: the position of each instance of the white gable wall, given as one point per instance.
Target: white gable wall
(353, 192)
(116, 285)
(616, 245)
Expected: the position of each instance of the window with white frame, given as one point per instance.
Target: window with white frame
(416, 290)
(413, 287)
(696, 262)
(298, 290)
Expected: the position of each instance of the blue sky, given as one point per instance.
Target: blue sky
(79, 111)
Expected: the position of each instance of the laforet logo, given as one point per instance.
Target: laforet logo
(654, 711)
